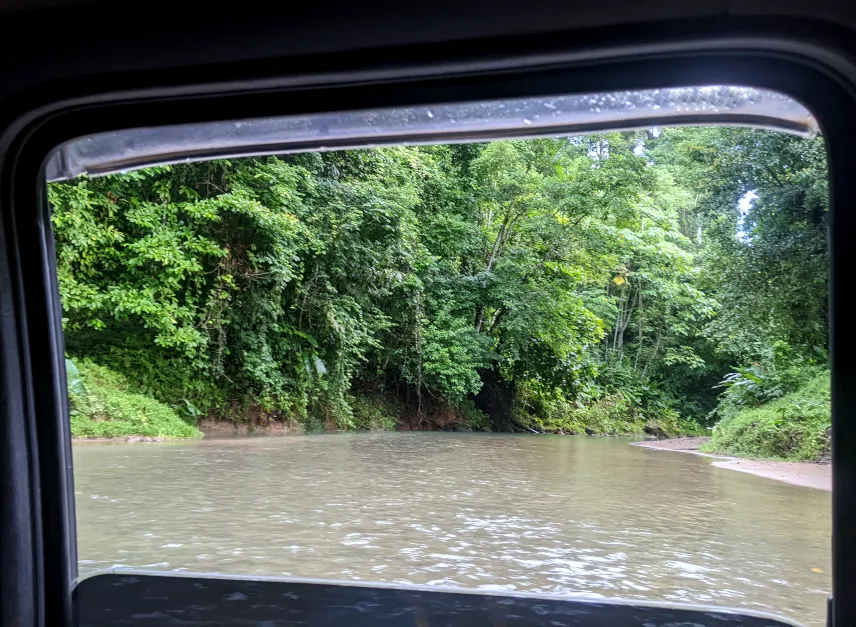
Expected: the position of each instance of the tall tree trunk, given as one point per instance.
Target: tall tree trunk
(498, 244)
(624, 316)
(654, 354)
(418, 341)
(641, 328)
(618, 318)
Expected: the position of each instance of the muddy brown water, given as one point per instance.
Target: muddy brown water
(539, 514)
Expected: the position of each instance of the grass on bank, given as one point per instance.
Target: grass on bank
(794, 427)
(103, 406)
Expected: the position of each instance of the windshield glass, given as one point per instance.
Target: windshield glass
(585, 365)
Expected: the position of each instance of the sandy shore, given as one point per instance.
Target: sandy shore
(818, 476)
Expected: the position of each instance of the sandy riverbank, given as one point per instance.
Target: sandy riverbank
(809, 475)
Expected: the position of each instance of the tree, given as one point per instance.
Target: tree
(614, 270)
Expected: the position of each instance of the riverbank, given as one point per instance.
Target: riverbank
(806, 474)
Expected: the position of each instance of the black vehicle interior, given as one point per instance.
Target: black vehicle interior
(75, 69)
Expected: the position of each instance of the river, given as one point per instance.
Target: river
(540, 514)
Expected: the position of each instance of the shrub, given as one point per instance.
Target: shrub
(792, 427)
(638, 410)
(374, 413)
(146, 369)
(553, 413)
(474, 419)
(777, 374)
(102, 406)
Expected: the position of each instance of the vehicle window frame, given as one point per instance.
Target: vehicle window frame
(32, 370)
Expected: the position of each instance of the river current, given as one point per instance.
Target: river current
(582, 516)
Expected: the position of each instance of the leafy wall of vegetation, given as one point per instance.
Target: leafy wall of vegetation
(596, 284)
(103, 405)
(778, 409)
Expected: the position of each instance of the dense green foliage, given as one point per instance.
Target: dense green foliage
(103, 407)
(792, 427)
(599, 284)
